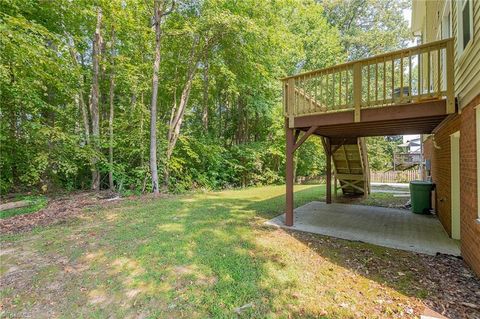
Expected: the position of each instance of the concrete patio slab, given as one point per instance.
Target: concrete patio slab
(387, 227)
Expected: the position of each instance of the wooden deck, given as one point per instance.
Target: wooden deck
(409, 91)
(401, 119)
(420, 76)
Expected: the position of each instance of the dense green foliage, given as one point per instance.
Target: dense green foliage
(368, 27)
(232, 132)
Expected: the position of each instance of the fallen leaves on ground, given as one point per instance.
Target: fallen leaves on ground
(58, 210)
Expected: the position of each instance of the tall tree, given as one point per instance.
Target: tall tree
(110, 118)
(178, 111)
(158, 13)
(205, 92)
(94, 109)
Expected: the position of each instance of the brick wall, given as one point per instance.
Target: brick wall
(440, 170)
(469, 226)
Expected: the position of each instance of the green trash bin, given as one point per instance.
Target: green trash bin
(421, 196)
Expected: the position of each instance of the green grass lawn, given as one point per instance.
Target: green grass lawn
(201, 256)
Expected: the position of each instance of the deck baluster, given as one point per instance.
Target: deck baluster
(419, 75)
(393, 80)
(428, 74)
(347, 95)
(439, 88)
(340, 89)
(384, 81)
(333, 90)
(327, 95)
(368, 84)
(409, 76)
(321, 91)
(357, 90)
(401, 77)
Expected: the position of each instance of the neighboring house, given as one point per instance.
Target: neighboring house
(408, 155)
(412, 142)
(454, 147)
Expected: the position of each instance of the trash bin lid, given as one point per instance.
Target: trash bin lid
(421, 183)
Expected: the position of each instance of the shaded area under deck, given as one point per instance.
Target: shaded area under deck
(394, 228)
(409, 91)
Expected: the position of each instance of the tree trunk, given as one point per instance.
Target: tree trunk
(257, 127)
(110, 119)
(97, 44)
(142, 152)
(220, 132)
(81, 102)
(178, 112)
(205, 94)
(13, 131)
(153, 105)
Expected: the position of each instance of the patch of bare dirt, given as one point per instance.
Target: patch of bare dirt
(374, 200)
(23, 266)
(451, 288)
(455, 290)
(58, 210)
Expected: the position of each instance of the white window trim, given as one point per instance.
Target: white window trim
(459, 9)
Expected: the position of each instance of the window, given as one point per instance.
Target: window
(465, 24)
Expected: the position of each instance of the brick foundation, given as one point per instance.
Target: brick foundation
(469, 225)
(437, 149)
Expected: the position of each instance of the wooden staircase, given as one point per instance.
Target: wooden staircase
(350, 160)
(350, 168)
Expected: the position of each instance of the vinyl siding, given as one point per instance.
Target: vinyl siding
(467, 65)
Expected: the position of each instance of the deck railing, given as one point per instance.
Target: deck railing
(424, 72)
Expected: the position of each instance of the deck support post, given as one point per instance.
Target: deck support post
(328, 151)
(335, 186)
(289, 150)
(450, 107)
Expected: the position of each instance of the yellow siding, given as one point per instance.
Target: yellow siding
(432, 19)
(467, 65)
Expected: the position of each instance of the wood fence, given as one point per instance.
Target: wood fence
(375, 177)
(394, 176)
